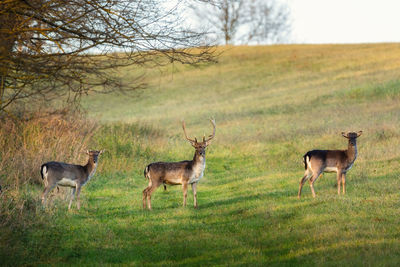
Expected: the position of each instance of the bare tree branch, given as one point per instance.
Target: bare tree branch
(55, 48)
(243, 21)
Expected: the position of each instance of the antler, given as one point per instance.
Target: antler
(213, 134)
(184, 131)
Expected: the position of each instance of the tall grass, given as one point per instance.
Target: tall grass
(24, 146)
(128, 146)
(271, 104)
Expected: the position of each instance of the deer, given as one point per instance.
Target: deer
(69, 175)
(317, 162)
(179, 173)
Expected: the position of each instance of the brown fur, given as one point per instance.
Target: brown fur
(178, 173)
(53, 173)
(340, 161)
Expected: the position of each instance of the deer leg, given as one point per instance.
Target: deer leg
(46, 190)
(72, 197)
(144, 197)
(78, 197)
(312, 181)
(165, 187)
(149, 192)
(194, 189)
(344, 182)
(152, 187)
(339, 178)
(68, 196)
(184, 187)
(148, 198)
(303, 180)
(145, 192)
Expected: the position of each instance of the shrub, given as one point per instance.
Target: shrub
(25, 145)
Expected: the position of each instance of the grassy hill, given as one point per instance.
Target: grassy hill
(271, 104)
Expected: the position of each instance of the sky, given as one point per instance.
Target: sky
(344, 21)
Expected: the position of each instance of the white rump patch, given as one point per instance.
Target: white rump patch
(308, 163)
(45, 173)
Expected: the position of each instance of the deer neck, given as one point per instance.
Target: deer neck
(352, 151)
(198, 159)
(198, 166)
(90, 168)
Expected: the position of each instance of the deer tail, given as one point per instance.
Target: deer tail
(146, 172)
(43, 172)
(305, 160)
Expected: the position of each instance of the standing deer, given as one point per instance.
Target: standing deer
(340, 161)
(63, 174)
(178, 173)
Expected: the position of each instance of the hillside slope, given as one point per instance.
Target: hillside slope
(271, 105)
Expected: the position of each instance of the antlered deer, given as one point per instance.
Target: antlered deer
(178, 173)
(63, 174)
(340, 161)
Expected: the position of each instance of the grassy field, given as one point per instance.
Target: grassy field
(271, 104)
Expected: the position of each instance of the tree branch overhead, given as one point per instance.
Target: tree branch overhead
(51, 48)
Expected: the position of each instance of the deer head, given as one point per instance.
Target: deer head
(94, 154)
(200, 146)
(352, 136)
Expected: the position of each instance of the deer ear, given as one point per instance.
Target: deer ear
(102, 151)
(359, 133)
(344, 135)
(87, 152)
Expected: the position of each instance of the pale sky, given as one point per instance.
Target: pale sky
(344, 21)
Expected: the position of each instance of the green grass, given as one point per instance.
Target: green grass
(271, 105)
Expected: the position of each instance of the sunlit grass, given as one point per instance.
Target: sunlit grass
(271, 105)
